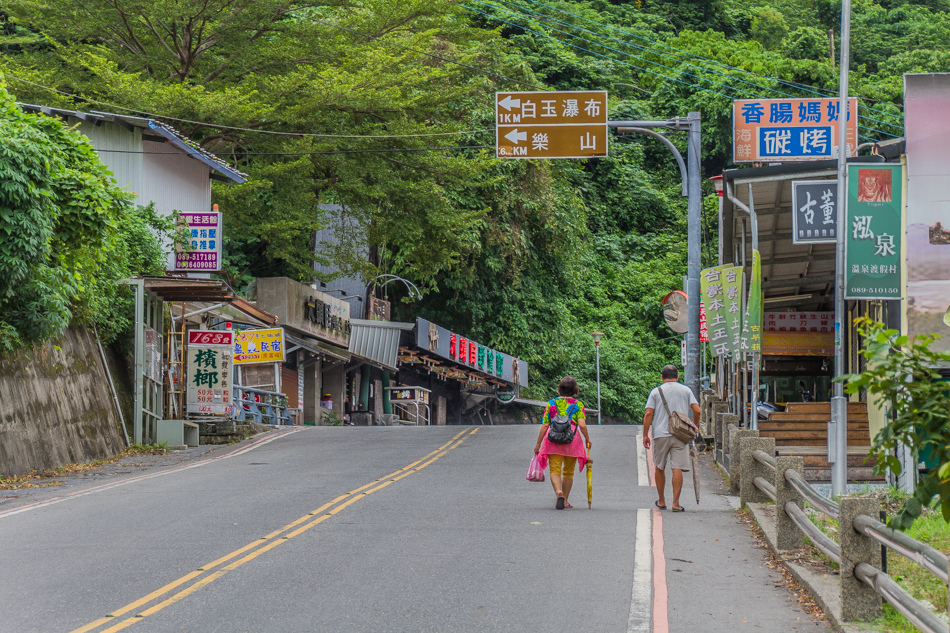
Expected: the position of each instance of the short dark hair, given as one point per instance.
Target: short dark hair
(669, 372)
(568, 386)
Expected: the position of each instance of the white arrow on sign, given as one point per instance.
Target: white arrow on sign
(508, 103)
(514, 136)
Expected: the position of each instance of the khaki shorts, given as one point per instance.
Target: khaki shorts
(562, 465)
(672, 450)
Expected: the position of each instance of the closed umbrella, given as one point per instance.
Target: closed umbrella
(590, 480)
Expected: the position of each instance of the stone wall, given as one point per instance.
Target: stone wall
(56, 407)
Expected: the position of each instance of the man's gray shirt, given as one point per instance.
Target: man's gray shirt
(679, 397)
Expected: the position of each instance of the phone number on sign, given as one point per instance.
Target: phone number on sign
(876, 291)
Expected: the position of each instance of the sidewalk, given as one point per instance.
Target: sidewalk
(720, 576)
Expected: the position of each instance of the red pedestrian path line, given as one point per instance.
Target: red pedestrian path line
(661, 619)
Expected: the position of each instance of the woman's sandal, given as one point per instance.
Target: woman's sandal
(560, 503)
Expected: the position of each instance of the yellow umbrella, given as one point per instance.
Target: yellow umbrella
(590, 479)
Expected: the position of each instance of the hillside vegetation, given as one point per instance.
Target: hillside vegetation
(386, 107)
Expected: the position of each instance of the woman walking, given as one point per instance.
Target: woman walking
(567, 451)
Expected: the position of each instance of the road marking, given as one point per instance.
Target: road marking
(643, 474)
(661, 619)
(262, 545)
(115, 484)
(641, 598)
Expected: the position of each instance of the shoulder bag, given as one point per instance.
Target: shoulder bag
(680, 428)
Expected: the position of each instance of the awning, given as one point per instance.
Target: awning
(323, 350)
(377, 341)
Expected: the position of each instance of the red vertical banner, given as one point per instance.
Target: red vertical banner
(472, 353)
(703, 332)
(463, 350)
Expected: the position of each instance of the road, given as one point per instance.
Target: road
(381, 529)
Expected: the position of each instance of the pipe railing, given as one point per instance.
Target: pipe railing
(765, 487)
(857, 519)
(818, 538)
(811, 495)
(268, 407)
(919, 615)
(927, 557)
(765, 459)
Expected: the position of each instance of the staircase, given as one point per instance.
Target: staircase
(802, 430)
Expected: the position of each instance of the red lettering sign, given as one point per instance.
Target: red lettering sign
(210, 337)
(472, 353)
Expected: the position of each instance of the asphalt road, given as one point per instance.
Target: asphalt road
(380, 529)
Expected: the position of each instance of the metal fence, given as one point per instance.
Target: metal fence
(263, 407)
(762, 476)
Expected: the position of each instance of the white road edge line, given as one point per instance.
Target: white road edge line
(643, 476)
(641, 600)
(130, 480)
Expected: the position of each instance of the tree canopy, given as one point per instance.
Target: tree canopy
(386, 108)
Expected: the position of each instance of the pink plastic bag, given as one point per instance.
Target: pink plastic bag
(535, 472)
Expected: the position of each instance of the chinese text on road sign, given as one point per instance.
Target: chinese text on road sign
(551, 124)
(779, 130)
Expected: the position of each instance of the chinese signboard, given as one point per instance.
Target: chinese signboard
(409, 394)
(209, 372)
(464, 351)
(780, 130)
(204, 240)
(927, 129)
(378, 309)
(703, 328)
(721, 288)
(800, 321)
(569, 124)
(259, 346)
(303, 307)
(752, 323)
(875, 227)
(814, 211)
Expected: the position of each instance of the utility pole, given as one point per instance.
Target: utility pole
(838, 427)
(690, 172)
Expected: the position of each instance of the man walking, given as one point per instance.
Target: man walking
(666, 448)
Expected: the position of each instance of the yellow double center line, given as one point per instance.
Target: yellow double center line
(207, 574)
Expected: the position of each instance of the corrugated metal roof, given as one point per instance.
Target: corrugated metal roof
(167, 132)
(377, 341)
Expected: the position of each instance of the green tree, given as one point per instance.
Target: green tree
(768, 27)
(903, 372)
(60, 220)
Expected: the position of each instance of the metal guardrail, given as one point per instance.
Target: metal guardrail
(811, 495)
(818, 538)
(761, 477)
(927, 557)
(765, 459)
(268, 407)
(765, 487)
(884, 585)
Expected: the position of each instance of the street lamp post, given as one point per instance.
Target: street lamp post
(597, 336)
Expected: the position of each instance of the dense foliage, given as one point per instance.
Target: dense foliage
(386, 108)
(902, 372)
(60, 244)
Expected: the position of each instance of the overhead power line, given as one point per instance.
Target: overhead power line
(713, 61)
(678, 60)
(240, 129)
(640, 68)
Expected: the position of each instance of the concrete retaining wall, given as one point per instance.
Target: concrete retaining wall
(56, 407)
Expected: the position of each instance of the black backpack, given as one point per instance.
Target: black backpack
(561, 431)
